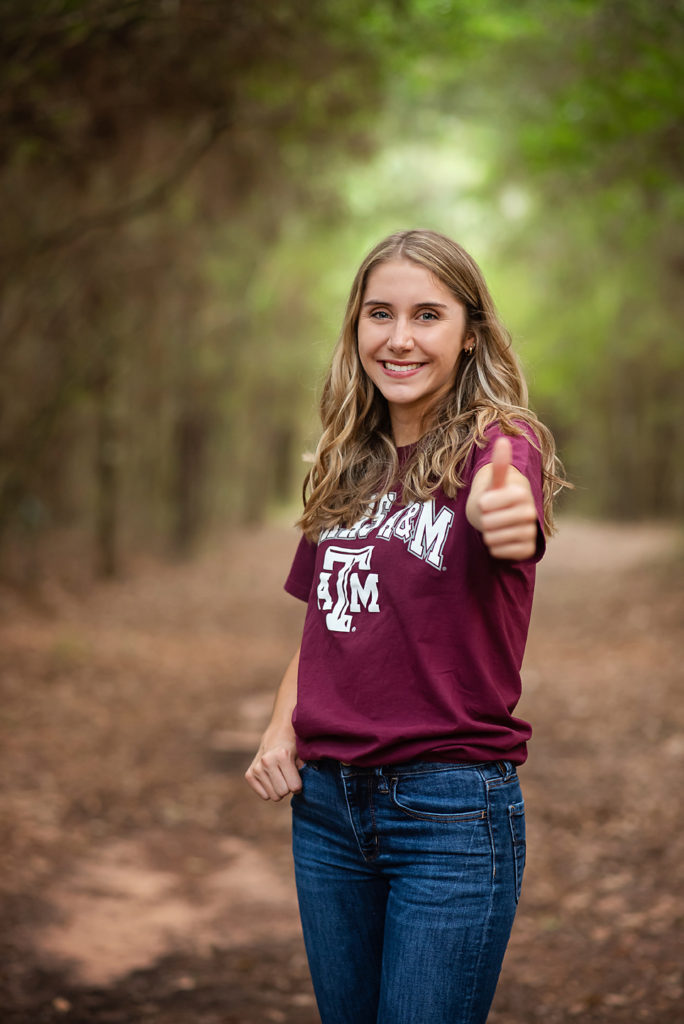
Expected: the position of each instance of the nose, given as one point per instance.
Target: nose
(400, 340)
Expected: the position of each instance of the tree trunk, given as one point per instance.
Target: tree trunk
(190, 442)
(107, 466)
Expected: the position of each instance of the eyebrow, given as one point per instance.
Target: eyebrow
(418, 305)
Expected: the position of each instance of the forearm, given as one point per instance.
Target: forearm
(285, 700)
(273, 772)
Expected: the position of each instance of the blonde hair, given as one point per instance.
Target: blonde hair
(356, 459)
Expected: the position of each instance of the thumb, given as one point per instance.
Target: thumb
(501, 460)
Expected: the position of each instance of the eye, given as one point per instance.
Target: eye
(427, 314)
(379, 314)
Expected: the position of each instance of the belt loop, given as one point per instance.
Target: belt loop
(503, 768)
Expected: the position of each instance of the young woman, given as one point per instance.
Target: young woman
(426, 509)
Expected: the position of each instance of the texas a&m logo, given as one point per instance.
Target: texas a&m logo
(421, 526)
(351, 592)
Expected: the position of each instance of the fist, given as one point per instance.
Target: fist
(274, 772)
(506, 510)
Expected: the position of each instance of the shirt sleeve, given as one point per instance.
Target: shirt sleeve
(300, 577)
(526, 458)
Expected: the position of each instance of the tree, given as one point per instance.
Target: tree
(131, 132)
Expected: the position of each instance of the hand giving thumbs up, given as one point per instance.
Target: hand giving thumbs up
(501, 506)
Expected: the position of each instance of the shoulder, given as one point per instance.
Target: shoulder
(525, 444)
(515, 427)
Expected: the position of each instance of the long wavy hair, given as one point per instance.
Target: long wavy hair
(356, 459)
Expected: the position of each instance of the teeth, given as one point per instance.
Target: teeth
(402, 367)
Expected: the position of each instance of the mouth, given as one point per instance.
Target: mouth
(401, 368)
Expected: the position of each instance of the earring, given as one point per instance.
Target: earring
(469, 351)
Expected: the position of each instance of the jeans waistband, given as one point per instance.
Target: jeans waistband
(491, 769)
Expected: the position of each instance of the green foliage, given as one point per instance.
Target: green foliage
(599, 148)
(144, 144)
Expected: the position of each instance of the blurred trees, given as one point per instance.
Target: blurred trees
(176, 207)
(597, 140)
(152, 151)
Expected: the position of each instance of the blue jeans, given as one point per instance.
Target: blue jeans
(408, 877)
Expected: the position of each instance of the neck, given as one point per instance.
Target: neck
(406, 429)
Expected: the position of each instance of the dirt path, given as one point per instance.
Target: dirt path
(140, 881)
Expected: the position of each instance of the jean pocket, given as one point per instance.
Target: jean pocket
(516, 819)
(440, 796)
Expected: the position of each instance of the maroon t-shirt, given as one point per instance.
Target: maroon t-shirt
(414, 635)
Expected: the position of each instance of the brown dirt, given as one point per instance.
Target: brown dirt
(141, 881)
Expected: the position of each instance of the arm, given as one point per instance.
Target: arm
(501, 506)
(273, 772)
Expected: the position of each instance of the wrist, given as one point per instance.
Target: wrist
(279, 731)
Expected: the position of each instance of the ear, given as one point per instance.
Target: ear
(469, 343)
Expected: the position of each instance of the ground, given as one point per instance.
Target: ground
(142, 881)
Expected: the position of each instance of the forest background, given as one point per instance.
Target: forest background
(189, 185)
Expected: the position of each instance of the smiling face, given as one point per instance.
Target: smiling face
(411, 333)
